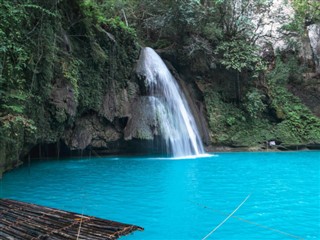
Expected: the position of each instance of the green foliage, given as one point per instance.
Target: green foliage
(12, 122)
(238, 55)
(296, 25)
(292, 122)
(116, 25)
(298, 124)
(14, 57)
(71, 72)
(254, 103)
(190, 14)
(230, 125)
(90, 45)
(39, 9)
(213, 32)
(280, 74)
(296, 70)
(46, 45)
(296, 118)
(102, 13)
(237, 18)
(91, 10)
(308, 11)
(12, 102)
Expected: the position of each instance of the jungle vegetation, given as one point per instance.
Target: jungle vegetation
(42, 41)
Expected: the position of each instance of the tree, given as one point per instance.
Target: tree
(308, 11)
(239, 55)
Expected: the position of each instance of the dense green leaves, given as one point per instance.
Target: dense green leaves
(238, 55)
(298, 124)
(46, 46)
(14, 55)
(90, 46)
(254, 103)
(307, 10)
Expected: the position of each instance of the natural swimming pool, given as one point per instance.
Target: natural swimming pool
(183, 199)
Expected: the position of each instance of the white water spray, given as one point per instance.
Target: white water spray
(177, 124)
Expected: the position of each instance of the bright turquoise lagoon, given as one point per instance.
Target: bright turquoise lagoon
(185, 198)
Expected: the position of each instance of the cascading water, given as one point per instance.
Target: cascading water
(177, 125)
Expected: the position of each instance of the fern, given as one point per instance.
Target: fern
(39, 8)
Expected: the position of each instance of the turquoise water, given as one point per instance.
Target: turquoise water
(183, 199)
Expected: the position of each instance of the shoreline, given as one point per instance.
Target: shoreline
(208, 149)
(261, 148)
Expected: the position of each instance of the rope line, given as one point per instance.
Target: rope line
(226, 219)
(253, 223)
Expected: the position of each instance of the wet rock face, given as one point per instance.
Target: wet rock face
(270, 26)
(268, 23)
(102, 129)
(63, 98)
(90, 130)
(314, 36)
(143, 123)
(115, 104)
(127, 117)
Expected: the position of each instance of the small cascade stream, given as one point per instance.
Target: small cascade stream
(177, 125)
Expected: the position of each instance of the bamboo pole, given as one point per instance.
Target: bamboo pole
(29, 221)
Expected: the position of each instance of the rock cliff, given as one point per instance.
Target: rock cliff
(79, 92)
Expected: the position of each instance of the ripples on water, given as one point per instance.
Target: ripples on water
(183, 199)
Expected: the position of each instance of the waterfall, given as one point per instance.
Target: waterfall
(177, 125)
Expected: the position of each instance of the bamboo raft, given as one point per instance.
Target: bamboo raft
(24, 221)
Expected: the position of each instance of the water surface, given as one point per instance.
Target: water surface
(183, 199)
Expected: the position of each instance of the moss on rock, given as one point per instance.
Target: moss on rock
(281, 116)
(72, 58)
